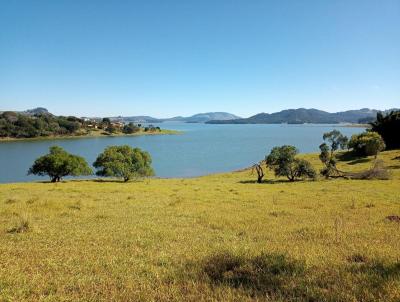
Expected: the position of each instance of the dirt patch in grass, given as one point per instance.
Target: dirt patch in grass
(10, 201)
(393, 218)
(357, 258)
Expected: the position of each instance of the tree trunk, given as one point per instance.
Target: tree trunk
(260, 172)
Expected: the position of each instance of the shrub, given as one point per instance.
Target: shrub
(111, 129)
(21, 226)
(283, 162)
(367, 143)
(130, 128)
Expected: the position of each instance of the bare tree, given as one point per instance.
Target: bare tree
(259, 170)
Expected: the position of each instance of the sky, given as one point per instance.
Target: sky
(168, 58)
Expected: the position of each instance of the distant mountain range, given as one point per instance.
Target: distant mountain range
(302, 116)
(289, 116)
(197, 118)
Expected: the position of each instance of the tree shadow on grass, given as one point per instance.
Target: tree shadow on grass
(395, 166)
(281, 278)
(359, 161)
(269, 181)
(266, 274)
(376, 274)
(352, 158)
(104, 180)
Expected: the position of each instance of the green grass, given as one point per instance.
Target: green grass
(215, 238)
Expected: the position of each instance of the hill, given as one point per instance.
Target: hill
(215, 238)
(302, 115)
(208, 116)
(196, 118)
(30, 112)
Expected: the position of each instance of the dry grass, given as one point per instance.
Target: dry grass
(215, 238)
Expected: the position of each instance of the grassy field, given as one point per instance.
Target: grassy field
(89, 134)
(215, 238)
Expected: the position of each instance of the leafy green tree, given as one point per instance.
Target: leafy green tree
(124, 162)
(282, 160)
(58, 164)
(130, 128)
(388, 126)
(334, 141)
(69, 126)
(106, 120)
(328, 160)
(367, 143)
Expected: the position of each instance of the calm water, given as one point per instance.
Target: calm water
(202, 149)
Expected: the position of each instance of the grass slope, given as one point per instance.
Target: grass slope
(220, 237)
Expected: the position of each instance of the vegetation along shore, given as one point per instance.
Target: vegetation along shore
(41, 124)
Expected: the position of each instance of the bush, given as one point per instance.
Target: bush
(283, 162)
(130, 128)
(124, 162)
(22, 225)
(367, 143)
(111, 129)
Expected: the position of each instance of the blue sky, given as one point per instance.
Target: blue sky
(167, 58)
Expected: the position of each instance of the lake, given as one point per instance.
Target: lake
(202, 149)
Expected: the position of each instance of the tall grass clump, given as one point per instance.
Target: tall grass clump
(21, 225)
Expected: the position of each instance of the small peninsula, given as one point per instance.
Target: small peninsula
(40, 124)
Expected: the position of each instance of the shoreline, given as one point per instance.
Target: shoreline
(97, 179)
(92, 135)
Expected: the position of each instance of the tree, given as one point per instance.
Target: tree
(124, 162)
(334, 141)
(106, 120)
(388, 126)
(367, 143)
(130, 128)
(260, 171)
(283, 162)
(58, 164)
